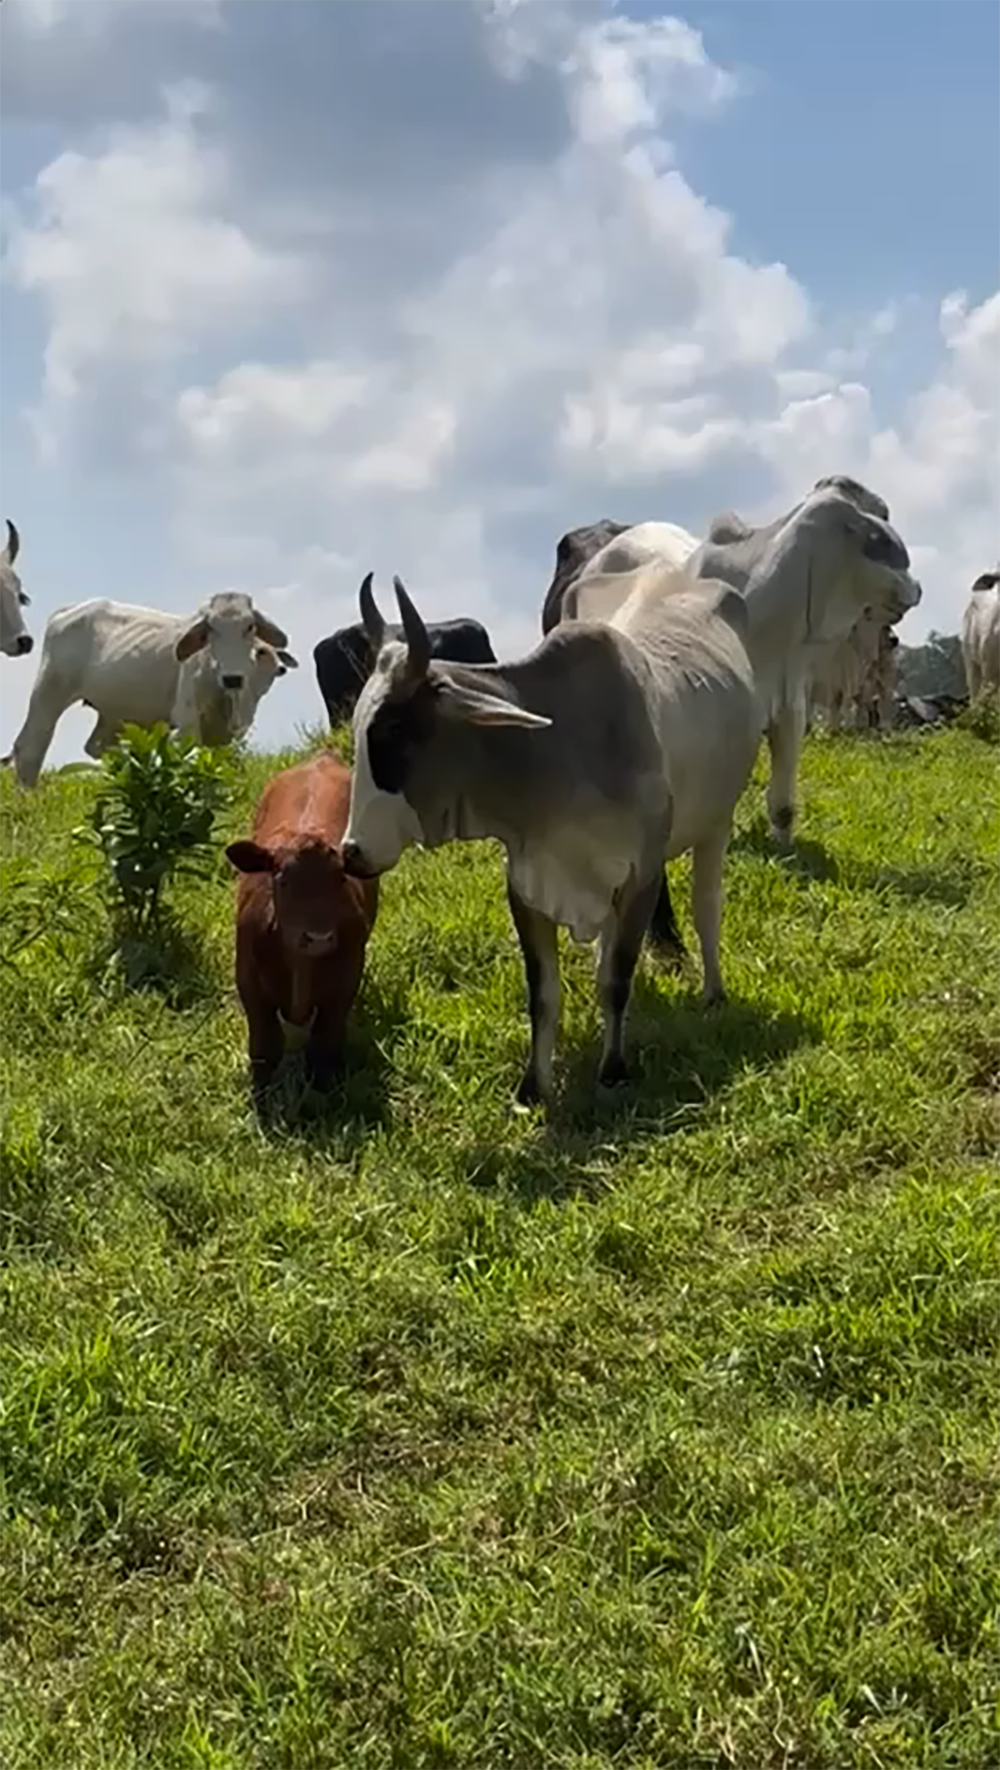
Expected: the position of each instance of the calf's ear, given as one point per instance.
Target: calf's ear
(266, 629)
(250, 857)
(195, 639)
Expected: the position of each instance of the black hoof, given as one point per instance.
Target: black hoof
(614, 1073)
(321, 1076)
(529, 1093)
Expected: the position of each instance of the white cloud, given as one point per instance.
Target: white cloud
(132, 254)
(432, 359)
(628, 77)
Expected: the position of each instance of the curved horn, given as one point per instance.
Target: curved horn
(414, 629)
(13, 541)
(371, 620)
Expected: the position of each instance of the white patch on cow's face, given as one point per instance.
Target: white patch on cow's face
(381, 825)
(231, 635)
(12, 627)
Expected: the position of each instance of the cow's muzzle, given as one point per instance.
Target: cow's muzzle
(24, 644)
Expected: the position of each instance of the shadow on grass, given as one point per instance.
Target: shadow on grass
(166, 960)
(950, 884)
(682, 1058)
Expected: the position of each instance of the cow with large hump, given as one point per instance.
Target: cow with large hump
(345, 661)
(606, 750)
(981, 636)
(15, 640)
(808, 579)
(302, 924)
(125, 663)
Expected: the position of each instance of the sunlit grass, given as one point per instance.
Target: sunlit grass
(661, 1434)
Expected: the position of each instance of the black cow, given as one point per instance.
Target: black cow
(345, 661)
(575, 550)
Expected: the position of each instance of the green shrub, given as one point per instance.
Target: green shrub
(152, 820)
(982, 719)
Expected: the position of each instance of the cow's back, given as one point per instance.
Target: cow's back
(118, 658)
(693, 637)
(463, 641)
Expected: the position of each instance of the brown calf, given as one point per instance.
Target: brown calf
(301, 923)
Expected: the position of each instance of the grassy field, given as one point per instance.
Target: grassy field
(427, 1434)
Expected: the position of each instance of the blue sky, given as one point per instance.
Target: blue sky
(294, 292)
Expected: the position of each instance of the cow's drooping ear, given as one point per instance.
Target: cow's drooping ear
(195, 639)
(371, 620)
(473, 708)
(268, 630)
(290, 663)
(250, 857)
(987, 581)
(417, 642)
(13, 542)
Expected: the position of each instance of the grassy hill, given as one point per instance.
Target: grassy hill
(425, 1434)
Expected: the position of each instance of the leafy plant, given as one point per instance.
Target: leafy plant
(982, 719)
(152, 820)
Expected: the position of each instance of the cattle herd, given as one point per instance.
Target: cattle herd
(622, 741)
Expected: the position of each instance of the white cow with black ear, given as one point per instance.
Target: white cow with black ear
(15, 640)
(609, 749)
(125, 663)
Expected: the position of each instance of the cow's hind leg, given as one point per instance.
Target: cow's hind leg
(663, 930)
(620, 946)
(541, 965)
(706, 904)
(101, 738)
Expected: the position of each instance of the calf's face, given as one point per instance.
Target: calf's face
(15, 641)
(314, 906)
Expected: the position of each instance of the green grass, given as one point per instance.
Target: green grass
(427, 1434)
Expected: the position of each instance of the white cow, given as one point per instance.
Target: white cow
(606, 750)
(860, 677)
(125, 662)
(215, 715)
(808, 578)
(981, 636)
(15, 640)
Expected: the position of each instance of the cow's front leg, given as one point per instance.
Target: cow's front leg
(621, 942)
(784, 737)
(540, 949)
(324, 1058)
(265, 1048)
